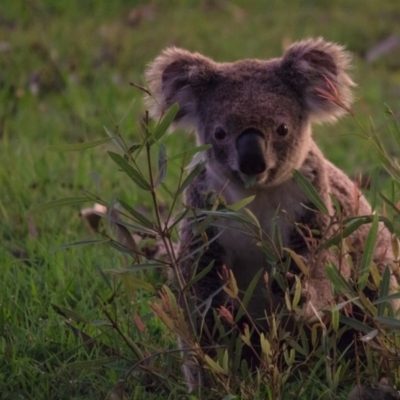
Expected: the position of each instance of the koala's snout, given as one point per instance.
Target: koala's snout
(250, 147)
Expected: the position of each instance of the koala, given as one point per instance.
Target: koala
(257, 115)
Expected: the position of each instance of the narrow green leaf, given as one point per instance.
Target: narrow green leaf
(116, 139)
(198, 248)
(248, 294)
(199, 276)
(384, 289)
(254, 220)
(190, 178)
(91, 364)
(336, 204)
(166, 122)
(162, 165)
(213, 365)
(190, 152)
(96, 199)
(130, 171)
(68, 201)
(247, 217)
(299, 261)
(131, 227)
(392, 206)
(348, 229)
(80, 243)
(178, 218)
(297, 347)
(69, 314)
(391, 322)
(241, 203)
(135, 268)
(338, 282)
(134, 147)
(79, 146)
(339, 306)
(388, 298)
(120, 248)
(139, 217)
(354, 323)
(369, 248)
(310, 191)
(101, 323)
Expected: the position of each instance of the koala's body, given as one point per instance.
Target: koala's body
(257, 116)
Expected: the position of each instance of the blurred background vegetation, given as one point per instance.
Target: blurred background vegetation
(65, 73)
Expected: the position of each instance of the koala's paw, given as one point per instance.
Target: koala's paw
(380, 392)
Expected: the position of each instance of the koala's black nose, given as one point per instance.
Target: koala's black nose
(250, 146)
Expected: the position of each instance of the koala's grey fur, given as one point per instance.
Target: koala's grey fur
(261, 96)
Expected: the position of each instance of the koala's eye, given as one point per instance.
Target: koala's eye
(282, 130)
(219, 134)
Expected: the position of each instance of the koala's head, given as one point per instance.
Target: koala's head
(256, 114)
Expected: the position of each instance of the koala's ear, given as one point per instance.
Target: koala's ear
(313, 67)
(174, 77)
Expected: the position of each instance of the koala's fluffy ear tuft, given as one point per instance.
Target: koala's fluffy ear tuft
(314, 68)
(173, 77)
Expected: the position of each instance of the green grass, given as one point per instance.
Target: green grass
(86, 54)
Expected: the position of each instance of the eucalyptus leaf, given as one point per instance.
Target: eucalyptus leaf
(354, 323)
(166, 122)
(241, 203)
(384, 289)
(388, 298)
(79, 146)
(369, 248)
(192, 176)
(116, 139)
(338, 282)
(138, 216)
(190, 152)
(133, 174)
(68, 201)
(310, 191)
(390, 322)
(162, 165)
(81, 243)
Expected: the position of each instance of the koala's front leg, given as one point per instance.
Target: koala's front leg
(312, 228)
(317, 291)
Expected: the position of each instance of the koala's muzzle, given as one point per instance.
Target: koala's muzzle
(250, 147)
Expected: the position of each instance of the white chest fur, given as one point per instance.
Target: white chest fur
(277, 206)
